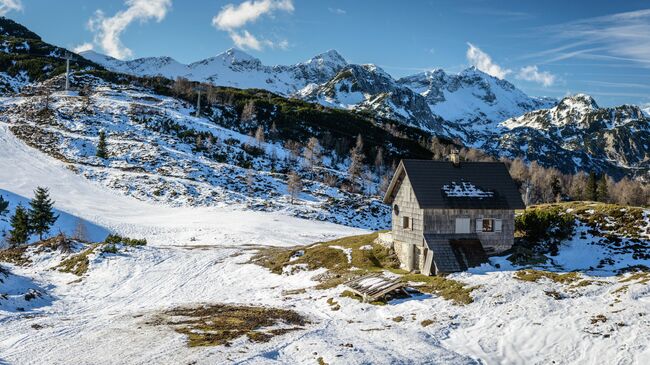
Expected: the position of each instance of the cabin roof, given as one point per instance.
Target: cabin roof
(468, 185)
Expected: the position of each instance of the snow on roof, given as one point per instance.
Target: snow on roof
(465, 189)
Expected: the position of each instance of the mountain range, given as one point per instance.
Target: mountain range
(470, 107)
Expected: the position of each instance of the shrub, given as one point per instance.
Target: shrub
(114, 239)
(544, 224)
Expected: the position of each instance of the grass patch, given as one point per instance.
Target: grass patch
(219, 324)
(15, 255)
(452, 290)
(426, 323)
(366, 257)
(77, 264)
(573, 279)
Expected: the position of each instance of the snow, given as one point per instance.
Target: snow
(465, 189)
(105, 317)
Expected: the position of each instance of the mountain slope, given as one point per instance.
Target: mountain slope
(472, 99)
(583, 135)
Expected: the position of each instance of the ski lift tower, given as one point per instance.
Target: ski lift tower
(67, 58)
(198, 89)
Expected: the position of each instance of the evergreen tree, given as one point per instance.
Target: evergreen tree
(592, 187)
(556, 188)
(41, 215)
(601, 190)
(101, 145)
(3, 205)
(20, 227)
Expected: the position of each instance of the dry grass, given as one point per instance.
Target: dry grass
(219, 324)
(452, 290)
(77, 264)
(372, 258)
(15, 255)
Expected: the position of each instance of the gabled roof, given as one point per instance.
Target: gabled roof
(469, 185)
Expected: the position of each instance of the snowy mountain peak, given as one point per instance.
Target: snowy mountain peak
(331, 58)
(581, 103)
(234, 55)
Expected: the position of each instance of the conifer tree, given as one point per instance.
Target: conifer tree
(101, 145)
(41, 214)
(601, 190)
(3, 205)
(20, 227)
(592, 187)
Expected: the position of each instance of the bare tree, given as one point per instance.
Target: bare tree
(259, 136)
(294, 185)
(312, 153)
(80, 231)
(249, 112)
(356, 160)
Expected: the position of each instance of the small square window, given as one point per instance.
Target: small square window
(488, 225)
(406, 222)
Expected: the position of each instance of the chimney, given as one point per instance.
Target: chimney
(454, 157)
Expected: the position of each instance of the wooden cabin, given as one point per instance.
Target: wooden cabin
(448, 216)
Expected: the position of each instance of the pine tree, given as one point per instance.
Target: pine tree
(101, 145)
(592, 187)
(556, 188)
(20, 227)
(41, 215)
(601, 190)
(3, 205)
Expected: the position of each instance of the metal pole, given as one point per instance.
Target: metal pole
(67, 73)
(198, 104)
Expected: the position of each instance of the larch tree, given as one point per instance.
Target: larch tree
(41, 213)
(259, 136)
(356, 160)
(294, 185)
(312, 153)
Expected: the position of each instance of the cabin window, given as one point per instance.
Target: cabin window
(462, 225)
(396, 209)
(406, 223)
(498, 225)
(487, 225)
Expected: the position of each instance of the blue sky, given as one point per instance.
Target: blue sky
(544, 47)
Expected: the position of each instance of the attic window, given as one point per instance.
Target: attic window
(465, 189)
(396, 209)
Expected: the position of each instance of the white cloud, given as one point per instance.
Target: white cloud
(483, 62)
(337, 11)
(109, 30)
(621, 36)
(10, 5)
(83, 47)
(236, 16)
(233, 17)
(531, 73)
(246, 40)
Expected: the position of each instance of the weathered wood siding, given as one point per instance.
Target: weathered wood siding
(404, 239)
(443, 221)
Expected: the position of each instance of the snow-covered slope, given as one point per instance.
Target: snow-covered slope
(232, 68)
(159, 152)
(473, 99)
